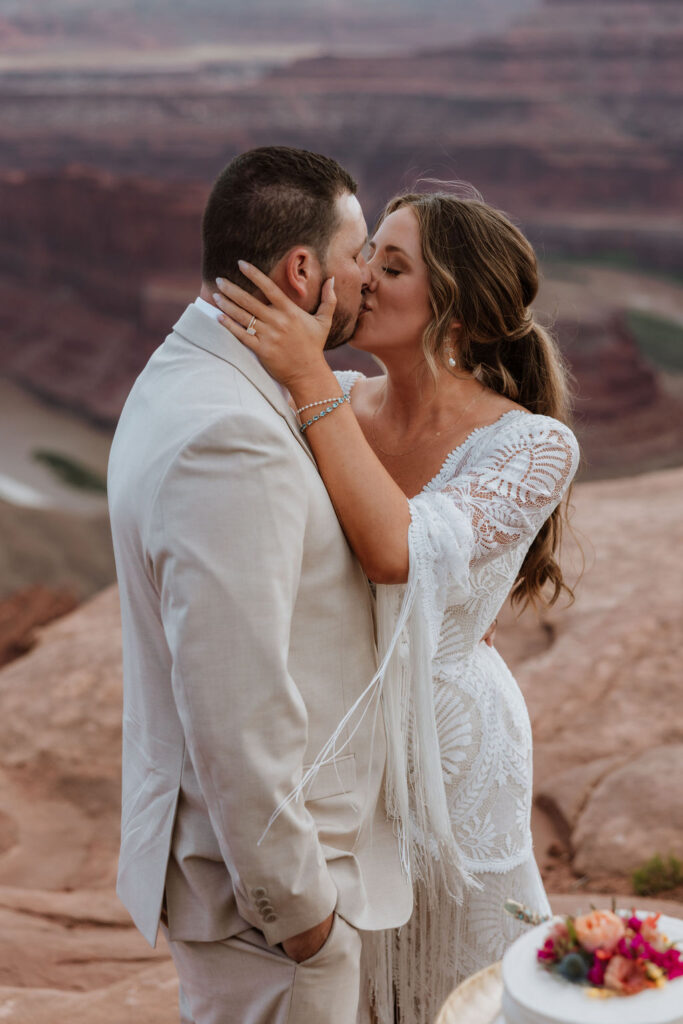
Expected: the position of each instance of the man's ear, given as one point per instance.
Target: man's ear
(299, 274)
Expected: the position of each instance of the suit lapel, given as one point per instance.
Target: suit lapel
(200, 330)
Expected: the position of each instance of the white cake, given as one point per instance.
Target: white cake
(532, 995)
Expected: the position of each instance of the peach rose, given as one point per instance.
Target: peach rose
(651, 933)
(601, 929)
(627, 976)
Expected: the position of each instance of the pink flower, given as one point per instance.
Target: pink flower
(559, 933)
(627, 976)
(651, 933)
(596, 974)
(548, 951)
(601, 929)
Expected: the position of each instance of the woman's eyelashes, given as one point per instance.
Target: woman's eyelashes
(391, 271)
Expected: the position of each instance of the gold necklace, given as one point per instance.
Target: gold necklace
(422, 444)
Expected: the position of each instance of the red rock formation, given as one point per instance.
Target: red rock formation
(88, 244)
(99, 235)
(601, 680)
(116, 260)
(575, 108)
(614, 379)
(22, 613)
(569, 120)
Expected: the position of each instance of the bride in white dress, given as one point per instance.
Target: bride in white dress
(448, 474)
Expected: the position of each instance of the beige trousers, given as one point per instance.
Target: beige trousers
(243, 980)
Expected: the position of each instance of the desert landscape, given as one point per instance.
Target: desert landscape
(602, 680)
(114, 118)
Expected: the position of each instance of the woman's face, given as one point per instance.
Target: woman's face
(396, 307)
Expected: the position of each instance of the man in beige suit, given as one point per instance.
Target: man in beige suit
(248, 634)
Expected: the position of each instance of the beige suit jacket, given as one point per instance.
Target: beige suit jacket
(248, 633)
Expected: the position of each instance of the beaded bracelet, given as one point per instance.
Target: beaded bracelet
(335, 405)
(312, 405)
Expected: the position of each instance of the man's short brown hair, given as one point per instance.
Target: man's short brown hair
(266, 202)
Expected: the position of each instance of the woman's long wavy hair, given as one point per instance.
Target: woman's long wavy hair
(483, 273)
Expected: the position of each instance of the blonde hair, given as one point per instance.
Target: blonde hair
(483, 273)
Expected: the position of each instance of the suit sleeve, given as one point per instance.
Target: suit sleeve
(228, 534)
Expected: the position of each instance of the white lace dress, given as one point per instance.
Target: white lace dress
(471, 528)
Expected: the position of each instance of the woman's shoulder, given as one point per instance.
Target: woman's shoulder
(362, 387)
(519, 434)
(532, 424)
(537, 429)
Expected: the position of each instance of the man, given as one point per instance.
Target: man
(248, 634)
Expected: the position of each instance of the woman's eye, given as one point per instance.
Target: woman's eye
(391, 271)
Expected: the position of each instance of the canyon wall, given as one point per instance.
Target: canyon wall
(568, 119)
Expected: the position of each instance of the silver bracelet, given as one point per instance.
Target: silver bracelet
(336, 402)
(312, 405)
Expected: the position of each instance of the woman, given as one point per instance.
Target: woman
(447, 474)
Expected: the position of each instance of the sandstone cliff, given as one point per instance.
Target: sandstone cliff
(603, 685)
(127, 262)
(568, 119)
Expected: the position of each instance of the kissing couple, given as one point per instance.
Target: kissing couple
(326, 771)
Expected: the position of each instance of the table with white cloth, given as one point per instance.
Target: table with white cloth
(477, 1000)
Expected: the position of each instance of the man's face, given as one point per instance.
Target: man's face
(344, 262)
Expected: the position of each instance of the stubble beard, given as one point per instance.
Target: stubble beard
(342, 328)
(343, 323)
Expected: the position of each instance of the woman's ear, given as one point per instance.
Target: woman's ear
(300, 277)
(451, 349)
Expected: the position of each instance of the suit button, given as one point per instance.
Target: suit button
(259, 892)
(269, 918)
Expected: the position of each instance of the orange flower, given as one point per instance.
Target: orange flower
(627, 976)
(601, 929)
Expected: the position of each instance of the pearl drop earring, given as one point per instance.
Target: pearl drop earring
(451, 357)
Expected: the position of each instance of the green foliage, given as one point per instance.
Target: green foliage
(659, 339)
(657, 875)
(71, 472)
(573, 937)
(615, 259)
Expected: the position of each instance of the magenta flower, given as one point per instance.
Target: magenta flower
(596, 974)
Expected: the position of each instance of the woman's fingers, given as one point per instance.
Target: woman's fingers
(249, 340)
(264, 284)
(242, 316)
(328, 303)
(241, 298)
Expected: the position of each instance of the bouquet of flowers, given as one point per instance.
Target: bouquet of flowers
(614, 955)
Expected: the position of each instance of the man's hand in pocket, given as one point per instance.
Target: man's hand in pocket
(306, 944)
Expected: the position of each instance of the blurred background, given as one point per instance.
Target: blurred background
(115, 117)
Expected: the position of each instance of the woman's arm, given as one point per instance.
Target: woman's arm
(371, 507)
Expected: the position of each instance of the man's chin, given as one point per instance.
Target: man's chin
(342, 330)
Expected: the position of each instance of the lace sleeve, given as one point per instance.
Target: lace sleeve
(499, 499)
(348, 379)
(502, 500)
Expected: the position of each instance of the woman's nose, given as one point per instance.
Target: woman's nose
(370, 279)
